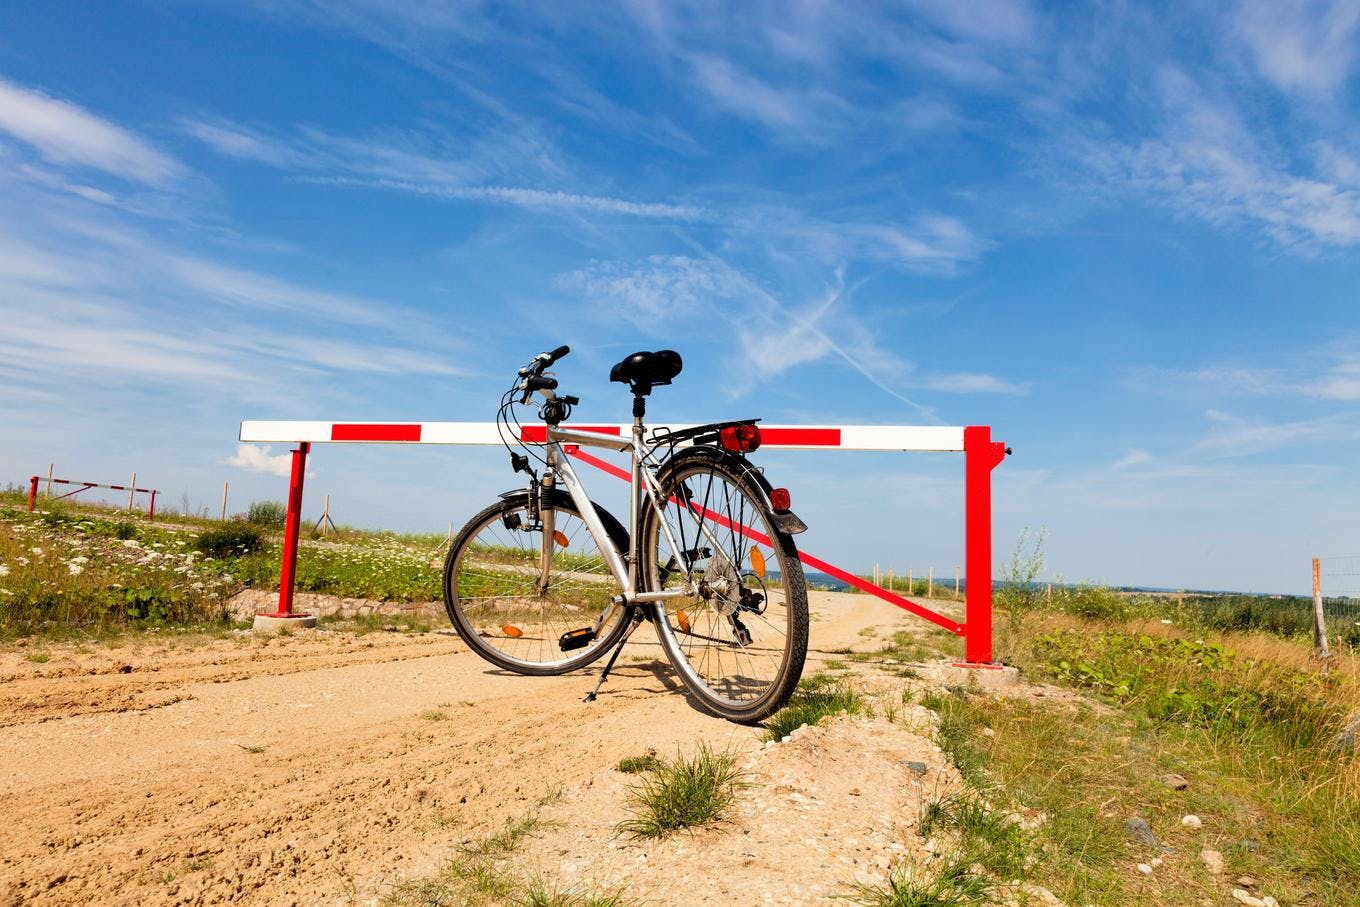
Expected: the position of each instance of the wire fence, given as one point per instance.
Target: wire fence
(1339, 579)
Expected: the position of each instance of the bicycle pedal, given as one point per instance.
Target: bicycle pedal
(576, 639)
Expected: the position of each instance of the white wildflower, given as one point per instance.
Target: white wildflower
(4, 569)
(131, 543)
(22, 560)
(5, 592)
(36, 550)
(75, 569)
(80, 560)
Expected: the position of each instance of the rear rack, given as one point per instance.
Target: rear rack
(695, 434)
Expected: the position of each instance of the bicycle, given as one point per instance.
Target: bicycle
(545, 581)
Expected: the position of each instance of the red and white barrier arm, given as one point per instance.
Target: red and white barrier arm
(792, 437)
(981, 456)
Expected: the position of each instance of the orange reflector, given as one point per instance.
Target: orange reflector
(512, 632)
(682, 619)
(560, 538)
(757, 563)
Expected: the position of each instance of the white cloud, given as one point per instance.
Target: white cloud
(65, 133)
(1334, 375)
(1307, 46)
(259, 459)
(1235, 436)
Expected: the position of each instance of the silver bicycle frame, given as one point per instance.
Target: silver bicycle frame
(642, 482)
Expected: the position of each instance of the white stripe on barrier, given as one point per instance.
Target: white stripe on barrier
(788, 437)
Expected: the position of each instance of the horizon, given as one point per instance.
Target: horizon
(1125, 239)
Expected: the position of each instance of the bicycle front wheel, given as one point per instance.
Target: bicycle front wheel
(739, 641)
(497, 598)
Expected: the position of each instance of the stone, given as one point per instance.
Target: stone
(1139, 829)
(1213, 861)
(1270, 902)
(1241, 896)
(1145, 869)
(1175, 781)
(1246, 881)
(1191, 821)
(1348, 740)
(918, 767)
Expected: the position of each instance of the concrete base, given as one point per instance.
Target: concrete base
(273, 623)
(980, 677)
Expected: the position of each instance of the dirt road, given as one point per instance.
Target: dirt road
(317, 768)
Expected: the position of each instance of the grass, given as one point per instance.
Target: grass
(816, 697)
(683, 793)
(636, 765)
(912, 885)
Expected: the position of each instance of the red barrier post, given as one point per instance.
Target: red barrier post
(980, 456)
(32, 492)
(288, 568)
(151, 513)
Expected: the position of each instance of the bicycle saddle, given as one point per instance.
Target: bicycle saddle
(643, 370)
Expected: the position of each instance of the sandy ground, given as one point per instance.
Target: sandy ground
(325, 767)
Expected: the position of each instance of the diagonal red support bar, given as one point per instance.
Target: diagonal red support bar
(815, 562)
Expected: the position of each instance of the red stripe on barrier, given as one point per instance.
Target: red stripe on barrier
(538, 434)
(801, 437)
(369, 432)
(814, 562)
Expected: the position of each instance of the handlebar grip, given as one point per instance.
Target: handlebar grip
(539, 382)
(558, 353)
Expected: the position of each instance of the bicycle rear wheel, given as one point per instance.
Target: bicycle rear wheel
(739, 643)
(495, 598)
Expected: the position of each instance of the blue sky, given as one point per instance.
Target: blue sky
(1124, 235)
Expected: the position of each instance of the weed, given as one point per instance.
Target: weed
(835, 664)
(683, 793)
(38, 657)
(434, 715)
(817, 697)
(253, 750)
(542, 893)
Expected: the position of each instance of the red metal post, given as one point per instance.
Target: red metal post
(32, 492)
(288, 567)
(151, 513)
(980, 456)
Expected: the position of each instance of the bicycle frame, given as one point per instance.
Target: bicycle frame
(644, 490)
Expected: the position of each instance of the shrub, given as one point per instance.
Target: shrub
(270, 514)
(231, 540)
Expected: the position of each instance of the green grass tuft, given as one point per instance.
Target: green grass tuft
(683, 793)
(816, 697)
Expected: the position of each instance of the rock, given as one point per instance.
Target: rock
(1139, 829)
(1348, 740)
(1241, 896)
(1145, 869)
(1246, 881)
(918, 767)
(1213, 861)
(1175, 781)
(1191, 821)
(1270, 902)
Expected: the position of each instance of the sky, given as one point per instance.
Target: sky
(1124, 235)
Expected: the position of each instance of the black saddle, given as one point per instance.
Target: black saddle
(643, 371)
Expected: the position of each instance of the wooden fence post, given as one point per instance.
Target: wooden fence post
(1319, 621)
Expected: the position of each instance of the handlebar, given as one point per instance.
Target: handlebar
(533, 372)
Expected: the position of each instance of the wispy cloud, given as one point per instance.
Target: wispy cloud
(1134, 457)
(532, 198)
(65, 133)
(1308, 47)
(1232, 435)
(774, 334)
(1333, 376)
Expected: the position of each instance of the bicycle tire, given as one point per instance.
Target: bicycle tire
(511, 624)
(763, 669)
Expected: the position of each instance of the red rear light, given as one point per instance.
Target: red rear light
(740, 438)
(779, 499)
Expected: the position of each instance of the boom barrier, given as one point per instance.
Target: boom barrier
(980, 454)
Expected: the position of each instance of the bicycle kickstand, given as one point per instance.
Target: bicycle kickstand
(609, 665)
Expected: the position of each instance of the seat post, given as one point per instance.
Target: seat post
(639, 408)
